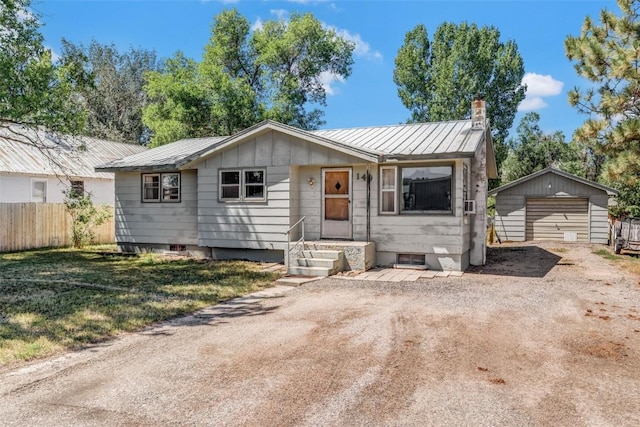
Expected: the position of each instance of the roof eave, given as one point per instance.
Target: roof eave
(156, 168)
(610, 191)
(269, 125)
(420, 157)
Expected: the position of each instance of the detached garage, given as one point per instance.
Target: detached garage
(553, 205)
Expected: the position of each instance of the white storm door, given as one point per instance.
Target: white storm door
(336, 203)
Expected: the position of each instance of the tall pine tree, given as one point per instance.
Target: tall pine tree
(607, 53)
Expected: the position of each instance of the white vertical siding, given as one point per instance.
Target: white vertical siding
(155, 223)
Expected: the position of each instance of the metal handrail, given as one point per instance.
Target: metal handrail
(300, 240)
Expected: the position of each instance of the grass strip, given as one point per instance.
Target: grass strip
(58, 299)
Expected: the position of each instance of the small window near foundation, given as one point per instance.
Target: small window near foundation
(411, 259)
(177, 248)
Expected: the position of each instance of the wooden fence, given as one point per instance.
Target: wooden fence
(41, 225)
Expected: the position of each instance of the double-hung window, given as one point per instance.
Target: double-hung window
(416, 189)
(38, 191)
(388, 189)
(248, 185)
(161, 187)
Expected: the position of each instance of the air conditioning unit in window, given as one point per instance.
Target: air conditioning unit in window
(469, 206)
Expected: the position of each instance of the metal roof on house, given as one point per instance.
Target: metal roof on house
(610, 191)
(409, 141)
(420, 139)
(71, 156)
(165, 155)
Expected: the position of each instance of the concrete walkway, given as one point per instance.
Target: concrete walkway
(403, 275)
(376, 274)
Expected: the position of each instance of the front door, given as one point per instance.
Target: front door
(336, 203)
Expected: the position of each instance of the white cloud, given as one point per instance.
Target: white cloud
(280, 13)
(257, 25)
(539, 86)
(54, 56)
(327, 79)
(532, 104)
(362, 48)
(542, 85)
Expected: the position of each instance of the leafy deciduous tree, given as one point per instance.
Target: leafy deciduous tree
(438, 80)
(533, 150)
(178, 105)
(35, 93)
(274, 72)
(115, 99)
(608, 55)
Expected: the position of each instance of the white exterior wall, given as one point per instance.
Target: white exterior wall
(17, 188)
(155, 223)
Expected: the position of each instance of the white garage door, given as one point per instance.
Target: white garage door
(558, 219)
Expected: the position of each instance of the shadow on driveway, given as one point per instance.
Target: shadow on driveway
(517, 261)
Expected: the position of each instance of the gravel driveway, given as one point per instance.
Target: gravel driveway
(544, 335)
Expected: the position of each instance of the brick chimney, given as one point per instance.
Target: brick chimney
(478, 113)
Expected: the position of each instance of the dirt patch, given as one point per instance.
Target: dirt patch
(525, 340)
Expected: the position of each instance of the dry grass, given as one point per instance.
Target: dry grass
(629, 261)
(57, 299)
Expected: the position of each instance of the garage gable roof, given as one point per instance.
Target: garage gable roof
(610, 191)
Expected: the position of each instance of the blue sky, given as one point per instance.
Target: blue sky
(368, 96)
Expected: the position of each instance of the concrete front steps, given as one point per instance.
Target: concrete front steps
(321, 263)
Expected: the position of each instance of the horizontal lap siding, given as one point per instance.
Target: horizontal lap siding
(510, 218)
(592, 226)
(441, 235)
(599, 219)
(289, 196)
(251, 225)
(417, 234)
(158, 223)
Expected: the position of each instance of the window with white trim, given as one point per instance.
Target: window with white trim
(161, 187)
(248, 185)
(388, 189)
(416, 189)
(38, 191)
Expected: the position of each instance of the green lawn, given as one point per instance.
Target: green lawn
(58, 299)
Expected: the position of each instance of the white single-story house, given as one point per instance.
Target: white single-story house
(411, 194)
(40, 172)
(553, 205)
